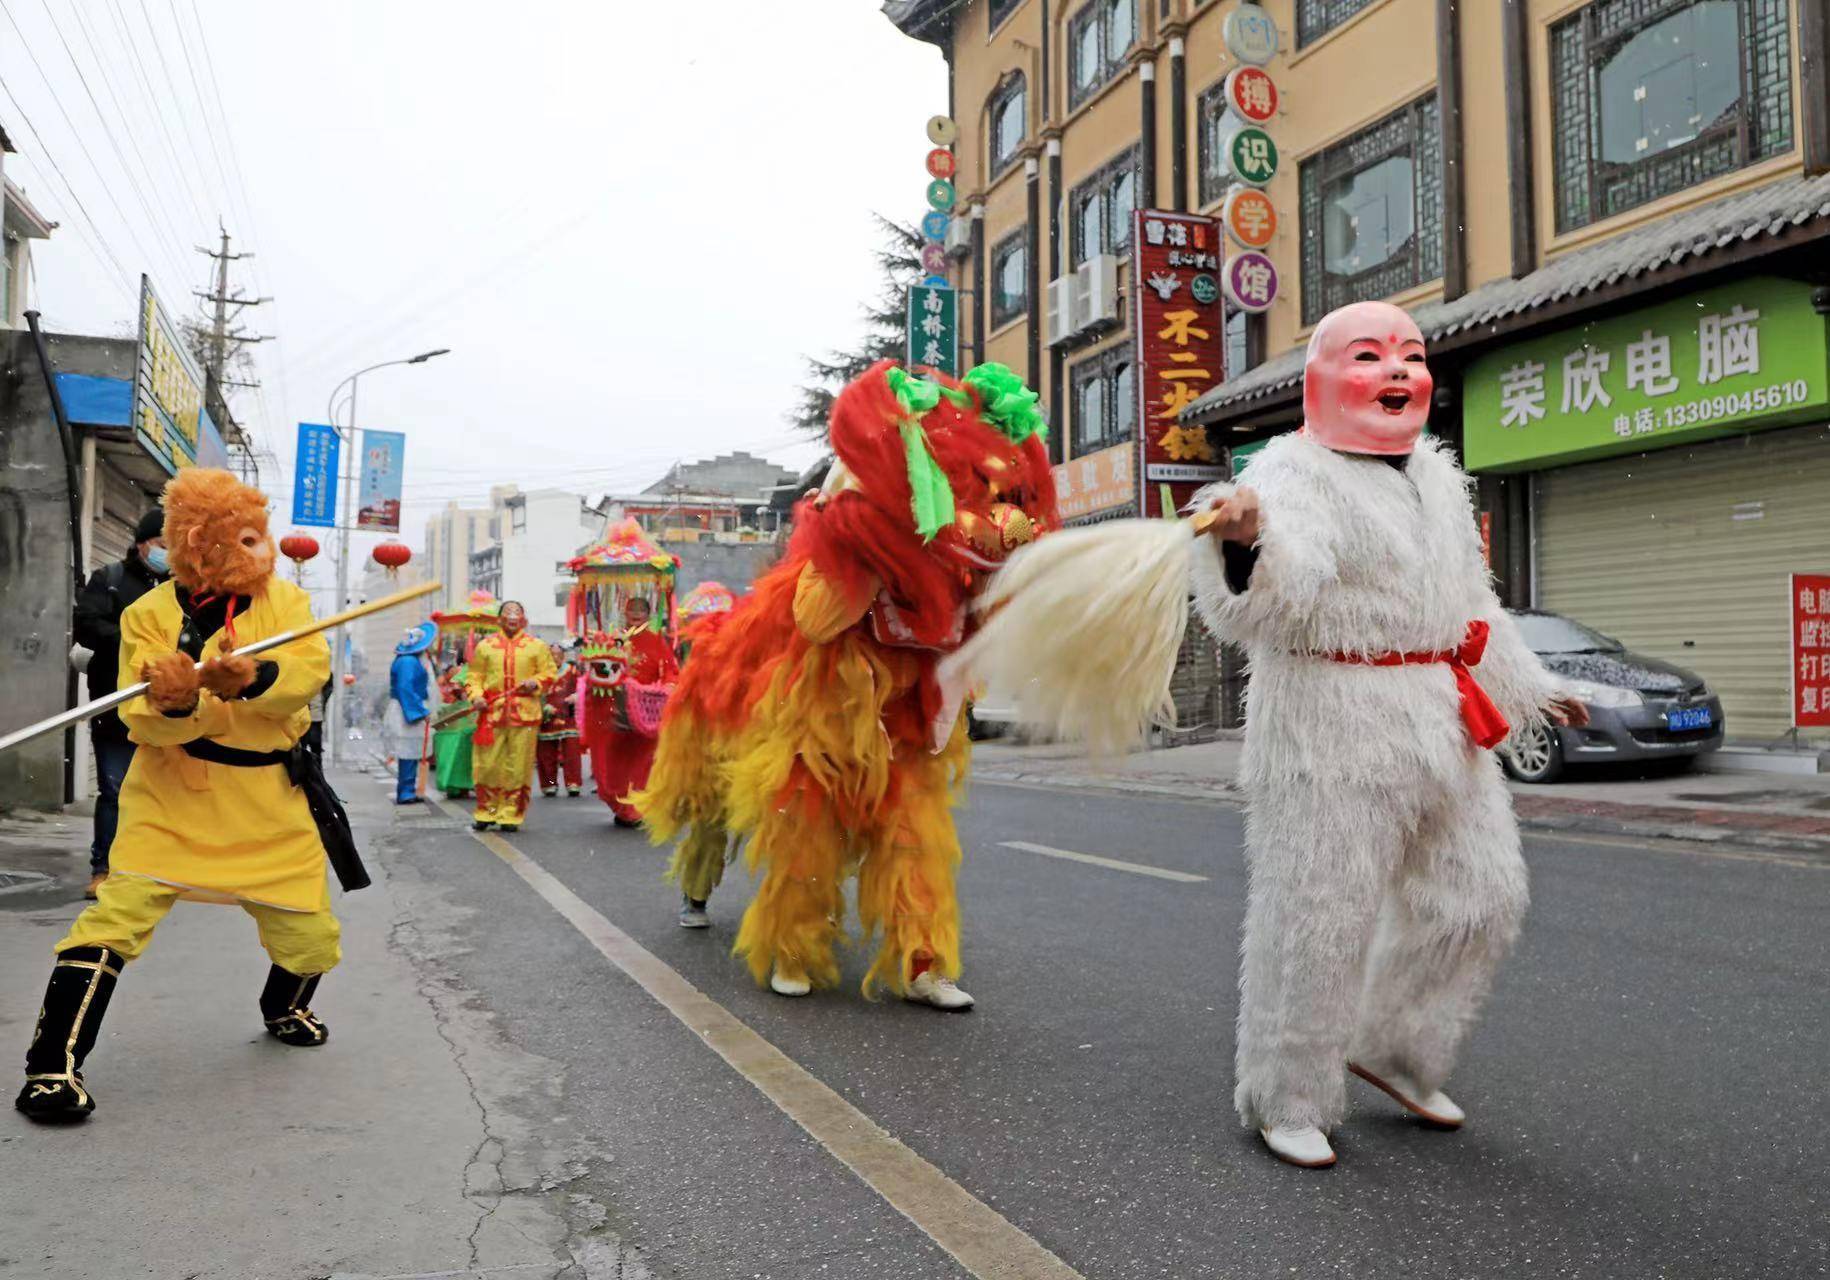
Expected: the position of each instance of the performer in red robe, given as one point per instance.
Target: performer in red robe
(620, 754)
(559, 751)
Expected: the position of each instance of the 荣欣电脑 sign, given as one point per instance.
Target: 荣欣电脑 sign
(1739, 357)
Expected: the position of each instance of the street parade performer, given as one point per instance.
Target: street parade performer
(559, 752)
(809, 721)
(621, 755)
(508, 680)
(220, 803)
(407, 726)
(1386, 881)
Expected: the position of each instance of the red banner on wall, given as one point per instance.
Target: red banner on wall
(1180, 330)
(1810, 610)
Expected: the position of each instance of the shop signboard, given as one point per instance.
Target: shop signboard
(1181, 351)
(1810, 610)
(1250, 35)
(1101, 481)
(933, 328)
(1739, 357)
(168, 413)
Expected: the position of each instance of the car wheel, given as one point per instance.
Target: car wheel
(1534, 755)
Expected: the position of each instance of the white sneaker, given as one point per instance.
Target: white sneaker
(931, 988)
(1302, 1145)
(782, 985)
(692, 917)
(1435, 1108)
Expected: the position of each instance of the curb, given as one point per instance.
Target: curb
(1537, 813)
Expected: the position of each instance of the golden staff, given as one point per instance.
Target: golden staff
(119, 696)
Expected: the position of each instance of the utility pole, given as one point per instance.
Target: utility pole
(221, 341)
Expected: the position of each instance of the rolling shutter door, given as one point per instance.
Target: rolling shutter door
(111, 533)
(1684, 554)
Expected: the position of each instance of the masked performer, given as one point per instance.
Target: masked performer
(407, 725)
(622, 755)
(559, 753)
(209, 809)
(508, 680)
(810, 722)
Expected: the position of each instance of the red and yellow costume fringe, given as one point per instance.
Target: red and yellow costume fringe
(809, 723)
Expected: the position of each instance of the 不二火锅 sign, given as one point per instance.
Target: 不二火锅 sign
(1738, 357)
(1181, 351)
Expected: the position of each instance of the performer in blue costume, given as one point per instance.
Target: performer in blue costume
(409, 691)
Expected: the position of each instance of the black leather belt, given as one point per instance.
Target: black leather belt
(216, 753)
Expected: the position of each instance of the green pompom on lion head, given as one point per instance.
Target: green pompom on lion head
(1009, 406)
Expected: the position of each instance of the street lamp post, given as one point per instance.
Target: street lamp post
(338, 712)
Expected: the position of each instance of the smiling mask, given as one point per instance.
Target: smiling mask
(1366, 388)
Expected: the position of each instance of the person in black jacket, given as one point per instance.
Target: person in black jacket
(109, 591)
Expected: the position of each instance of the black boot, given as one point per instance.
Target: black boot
(74, 1003)
(283, 1005)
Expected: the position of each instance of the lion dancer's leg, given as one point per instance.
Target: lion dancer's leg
(792, 924)
(907, 887)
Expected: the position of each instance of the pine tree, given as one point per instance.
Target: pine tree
(899, 261)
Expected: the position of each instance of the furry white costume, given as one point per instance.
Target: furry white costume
(1386, 879)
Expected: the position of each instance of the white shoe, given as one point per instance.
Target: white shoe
(785, 986)
(931, 988)
(1435, 1108)
(693, 917)
(1302, 1145)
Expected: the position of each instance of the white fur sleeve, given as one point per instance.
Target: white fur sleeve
(1296, 563)
(1512, 675)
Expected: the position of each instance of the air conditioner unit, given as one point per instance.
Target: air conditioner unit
(1061, 325)
(959, 238)
(1097, 293)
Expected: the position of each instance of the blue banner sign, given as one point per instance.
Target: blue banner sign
(378, 507)
(314, 477)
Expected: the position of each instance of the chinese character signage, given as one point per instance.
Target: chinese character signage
(1810, 610)
(933, 328)
(378, 503)
(1251, 282)
(1251, 156)
(314, 476)
(1251, 94)
(1181, 350)
(1250, 35)
(1734, 358)
(1097, 482)
(168, 413)
(1250, 218)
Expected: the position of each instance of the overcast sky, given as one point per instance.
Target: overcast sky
(628, 221)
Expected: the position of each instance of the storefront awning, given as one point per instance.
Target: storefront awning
(1750, 223)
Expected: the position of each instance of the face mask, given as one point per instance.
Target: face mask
(157, 561)
(1366, 388)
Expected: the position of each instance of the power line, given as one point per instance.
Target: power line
(58, 169)
(169, 78)
(154, 106)
(203, 109)
(56, 101)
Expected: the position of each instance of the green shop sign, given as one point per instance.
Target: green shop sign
(1740, 357)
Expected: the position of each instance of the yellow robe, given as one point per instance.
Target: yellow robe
(223, 833)
(503, 771)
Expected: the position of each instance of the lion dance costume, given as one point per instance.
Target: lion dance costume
(221, 804)
(810, 722)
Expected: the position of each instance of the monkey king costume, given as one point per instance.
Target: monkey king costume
(221, 804)
(508, 718)
(1386, 881)
(809, 722)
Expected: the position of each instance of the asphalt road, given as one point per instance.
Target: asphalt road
(1646, 1091)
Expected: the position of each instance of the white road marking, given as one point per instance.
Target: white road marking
(1112, 864)
(981, 1240)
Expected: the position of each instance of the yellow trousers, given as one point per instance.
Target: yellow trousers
(504, 774)
(128, 908)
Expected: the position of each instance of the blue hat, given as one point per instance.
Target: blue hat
(419, 639)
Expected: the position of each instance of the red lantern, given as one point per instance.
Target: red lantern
(391, 555)
(349, 679)
(298, 548)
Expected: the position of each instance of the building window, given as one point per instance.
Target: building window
(1653, 96)
(1236, 360)
(1098, 38)
(1105, 401)
(1372, 212)
(1210, 137)
(1009, 278)
(1316, 18)
(517, 518)
(1009, 122)
(1100, 210)
(1002, 9)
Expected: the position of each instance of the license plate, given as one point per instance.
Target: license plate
(1689, 718)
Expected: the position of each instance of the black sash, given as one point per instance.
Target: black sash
(306, 771)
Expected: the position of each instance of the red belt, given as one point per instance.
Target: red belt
(1485, 724)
